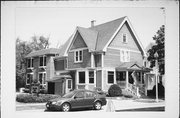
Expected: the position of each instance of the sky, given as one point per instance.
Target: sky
(59, 23)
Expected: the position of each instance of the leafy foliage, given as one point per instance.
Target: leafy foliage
(29, 98)
(22, 49)
(114, 91)
(159, 48)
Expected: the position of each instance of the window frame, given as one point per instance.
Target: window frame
(44, 75)
(108, 77)
(31, 63)
(124, 41)
(91, 77)
(77, 56)
(29, 78)
(125, 55)
(84, 77)
(44, 63)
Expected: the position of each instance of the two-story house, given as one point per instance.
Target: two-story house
(40, 66)
(99, 56)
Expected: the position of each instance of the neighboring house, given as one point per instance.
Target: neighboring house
(100, 56)
(40, 66)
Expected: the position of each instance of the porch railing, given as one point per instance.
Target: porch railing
(136, 90)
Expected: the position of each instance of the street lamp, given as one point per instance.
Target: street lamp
(156, 72)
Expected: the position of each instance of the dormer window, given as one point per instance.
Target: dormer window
(124, 38)
(42, 61)
(78, 56)
(30, 63)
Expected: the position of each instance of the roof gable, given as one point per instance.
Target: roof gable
(98, 38)
(78, 42)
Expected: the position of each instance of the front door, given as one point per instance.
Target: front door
(68, 85)
(51, 87)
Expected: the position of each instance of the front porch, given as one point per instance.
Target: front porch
(130, 77)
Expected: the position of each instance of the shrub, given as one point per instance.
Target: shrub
(29, 98)
(114, 91)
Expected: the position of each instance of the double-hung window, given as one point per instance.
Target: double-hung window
(91, 77)
(78, 56)
(42, 61)
(124, 56)
(42, 78)
(30, 63)
(110, 77)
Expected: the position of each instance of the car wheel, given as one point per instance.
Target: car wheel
(97, 105)
(66, 107)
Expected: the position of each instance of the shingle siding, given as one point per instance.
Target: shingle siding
(86, 60)
(78, 42)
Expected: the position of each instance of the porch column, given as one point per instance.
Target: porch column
(141, 77)
(127, 80)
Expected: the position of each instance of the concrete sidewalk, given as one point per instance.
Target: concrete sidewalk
(134, 104)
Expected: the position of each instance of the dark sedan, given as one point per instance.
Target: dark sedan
(77, 99)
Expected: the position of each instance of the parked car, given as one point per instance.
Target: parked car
(77, 99)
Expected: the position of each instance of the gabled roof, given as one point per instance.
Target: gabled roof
(43, 52)
(105, 32)
(89, 36)
(98, 37)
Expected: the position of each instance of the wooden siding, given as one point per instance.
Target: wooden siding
(59, 65)
(131, 44)
(58, 88)
(86, 60)
(78, 42)
(99, 79)
(112, 58)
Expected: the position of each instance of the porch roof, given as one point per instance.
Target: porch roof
(59, 78)
(132, 66)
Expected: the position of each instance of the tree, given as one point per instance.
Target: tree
(22, 49)
(159, 48)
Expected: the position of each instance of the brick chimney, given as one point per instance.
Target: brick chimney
(92, 23)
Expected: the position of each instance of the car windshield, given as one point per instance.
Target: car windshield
(69, 95)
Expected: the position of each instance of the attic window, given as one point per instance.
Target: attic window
(124, 38)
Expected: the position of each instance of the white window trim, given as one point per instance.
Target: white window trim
(78, 78)
(27, 77)
(30, 63)
(43, 61)
(94, 78)
(123, 38)
(43, 81)
(78, 61)
(67, 83)
(127, 57)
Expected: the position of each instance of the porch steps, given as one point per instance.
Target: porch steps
(128, 92)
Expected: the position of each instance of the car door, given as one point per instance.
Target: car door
(78, 100)
(89, 99)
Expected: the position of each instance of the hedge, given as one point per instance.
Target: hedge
(29, 98)
(114, 91)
